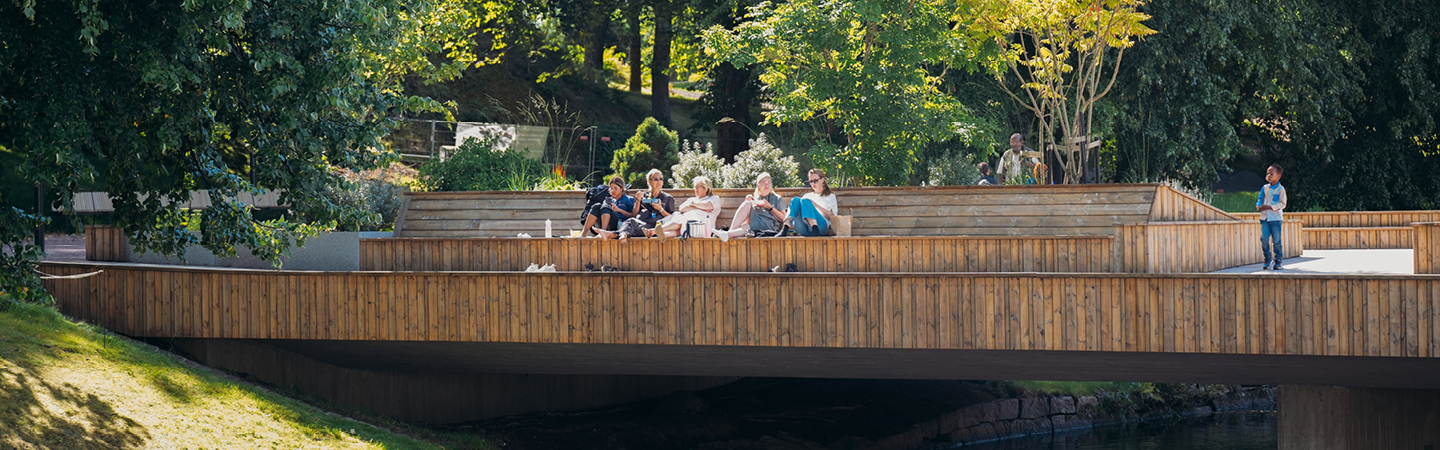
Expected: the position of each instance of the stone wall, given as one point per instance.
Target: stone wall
(1017, 417)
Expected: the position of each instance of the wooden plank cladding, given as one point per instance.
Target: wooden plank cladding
(1321, 315)
(1175, 206)
(1196, 247)
(1358, 237)
(106, 243)
(849, 254)
(1080, 210)
(1162, 247)
(1427, 247)
(1348, 219)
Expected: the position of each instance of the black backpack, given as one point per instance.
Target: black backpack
(593, 199)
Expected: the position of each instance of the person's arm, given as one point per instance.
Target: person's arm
(705, 205)
(776, 212)
(825, 212)
(1280, 205)
(1260, 200)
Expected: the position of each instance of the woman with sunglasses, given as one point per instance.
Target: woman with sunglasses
(704, 207)
(760, 213)
(655, 204)
(811, 215)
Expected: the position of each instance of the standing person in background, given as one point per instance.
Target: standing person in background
(811, 215)
(985, 178)
(1271, 205)
(1013, 164)
(759, 213)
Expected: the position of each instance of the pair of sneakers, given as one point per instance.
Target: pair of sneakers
(1269, 266)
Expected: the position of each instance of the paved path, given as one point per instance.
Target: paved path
(1341, 262)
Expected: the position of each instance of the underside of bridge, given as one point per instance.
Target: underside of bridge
(822, 362)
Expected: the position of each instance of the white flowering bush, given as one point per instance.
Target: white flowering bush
(763, 156)
(955, 169)
(696, 160)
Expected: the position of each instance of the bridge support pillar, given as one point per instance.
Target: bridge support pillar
(433, 397)
(1345, 418)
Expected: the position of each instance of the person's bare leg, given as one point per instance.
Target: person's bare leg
(589, 223)
(606, 234)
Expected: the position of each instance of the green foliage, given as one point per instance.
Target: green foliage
(1060, 52)
(155, 101)
(697, 160)
(955, 169)
(557, 182)
(652, 147)
(763, 156)
(1234, 201)
(870, 67)
(481, 164)
(17, 278)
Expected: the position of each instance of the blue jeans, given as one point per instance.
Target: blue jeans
(1270, 232)
(802, 209)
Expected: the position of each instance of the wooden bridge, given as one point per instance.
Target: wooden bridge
(1103, 286)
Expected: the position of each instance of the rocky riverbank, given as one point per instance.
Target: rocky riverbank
(856, 414)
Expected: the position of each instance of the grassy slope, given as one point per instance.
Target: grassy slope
(74, 386)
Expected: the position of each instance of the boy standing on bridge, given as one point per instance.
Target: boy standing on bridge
(1271, 205)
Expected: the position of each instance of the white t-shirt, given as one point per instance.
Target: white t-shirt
(827, 202)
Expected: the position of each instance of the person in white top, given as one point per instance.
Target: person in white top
(811, 214)
(1271, 205)
(705, 207)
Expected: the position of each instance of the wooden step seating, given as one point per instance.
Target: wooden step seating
(1087, 210)
(1357, 229)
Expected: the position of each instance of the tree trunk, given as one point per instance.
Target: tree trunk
(660, 64)
(632, 14)
(595, 53)
(734, 102)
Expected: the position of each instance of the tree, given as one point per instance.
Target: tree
(152, 101)
(870, 67)
(652, 147)
(1061, 52)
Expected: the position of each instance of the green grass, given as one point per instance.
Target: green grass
(71, 385)
(1235, 201)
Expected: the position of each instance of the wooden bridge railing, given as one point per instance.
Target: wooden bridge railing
(1357, 229)
(847, 254)
(1391, 316)
(1165, 247)
(1427, 247)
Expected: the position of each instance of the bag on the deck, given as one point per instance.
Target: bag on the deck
(594, 198)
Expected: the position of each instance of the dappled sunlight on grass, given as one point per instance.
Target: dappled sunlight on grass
(67, 385)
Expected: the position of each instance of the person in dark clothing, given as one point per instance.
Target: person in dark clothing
(655, 204)
(985, 179)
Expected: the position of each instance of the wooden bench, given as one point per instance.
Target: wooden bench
(1083, 210)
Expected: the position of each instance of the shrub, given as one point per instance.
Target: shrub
(696, 160)
(480, 164)
(955, 169)
(763, 156)
(652, 147)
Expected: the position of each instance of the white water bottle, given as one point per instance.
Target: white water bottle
(547, 228)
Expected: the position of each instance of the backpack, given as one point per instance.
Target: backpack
(593, 199)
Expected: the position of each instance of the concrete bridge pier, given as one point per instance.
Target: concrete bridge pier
(432, 396)
(1347, 418)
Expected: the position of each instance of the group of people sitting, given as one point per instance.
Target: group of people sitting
(763, 213)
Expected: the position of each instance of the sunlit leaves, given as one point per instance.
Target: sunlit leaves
(871, 67)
